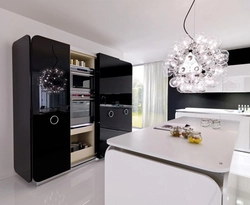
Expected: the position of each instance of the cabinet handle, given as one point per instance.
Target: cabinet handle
(54, 120)
(125, 112)
(111, 113)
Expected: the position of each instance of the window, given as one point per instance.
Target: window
(138, 73)
(150, 89)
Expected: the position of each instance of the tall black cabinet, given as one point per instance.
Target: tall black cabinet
(41, 107)
(45, 142)
(114, 101)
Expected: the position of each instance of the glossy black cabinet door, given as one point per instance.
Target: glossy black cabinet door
(116, 85)
(115, 75)
(21, 107)
(116, 118)
(50, 108)
(113, 88)
(50, 145)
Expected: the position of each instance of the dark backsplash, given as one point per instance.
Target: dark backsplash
(178, 100)
(124, 99)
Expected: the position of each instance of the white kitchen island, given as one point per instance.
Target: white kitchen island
(243, 139)
(150, 167)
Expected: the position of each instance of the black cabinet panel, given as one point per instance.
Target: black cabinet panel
(109, 133)
(115, 75)
(124, 99)
(116, 118)
(114, 85)
(21, 107)
(50, 103)
(239, 56)
(105, 134)
(49, 57)
(51, 144)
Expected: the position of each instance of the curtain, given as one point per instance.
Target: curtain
(155, 89)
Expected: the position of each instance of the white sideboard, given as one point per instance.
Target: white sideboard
(243, 140)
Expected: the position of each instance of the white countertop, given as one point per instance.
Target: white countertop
(210, 110)
(213, 154)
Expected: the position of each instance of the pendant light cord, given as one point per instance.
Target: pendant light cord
(55, 56)
(184, 23)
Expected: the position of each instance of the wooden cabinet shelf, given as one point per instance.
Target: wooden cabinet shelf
(83, 135)
(88, 59)
(82, 130)
(81, 155)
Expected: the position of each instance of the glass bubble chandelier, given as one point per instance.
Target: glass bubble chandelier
(52, 79)
(195, 63)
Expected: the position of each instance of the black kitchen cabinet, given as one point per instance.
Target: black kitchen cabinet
(116, 118)
(116, 85)
(44, 141)
(114, 98)
(41, 99)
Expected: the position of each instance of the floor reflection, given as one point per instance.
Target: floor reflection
(84, 185)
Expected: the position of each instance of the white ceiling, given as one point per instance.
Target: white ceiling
(144, 30)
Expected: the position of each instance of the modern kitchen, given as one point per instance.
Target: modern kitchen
(70, 101)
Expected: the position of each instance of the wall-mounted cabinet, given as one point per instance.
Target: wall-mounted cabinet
(237, 80)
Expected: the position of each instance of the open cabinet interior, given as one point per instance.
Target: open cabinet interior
(82, 144)
(82, 140)
(88, 59)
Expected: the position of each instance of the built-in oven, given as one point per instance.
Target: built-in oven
(81, 78)
(82, 96)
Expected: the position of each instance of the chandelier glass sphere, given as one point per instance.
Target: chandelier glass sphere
(195, 63)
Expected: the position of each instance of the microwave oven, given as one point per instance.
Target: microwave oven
(81, 96)
(81, 78)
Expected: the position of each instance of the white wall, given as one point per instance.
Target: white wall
(13, 27)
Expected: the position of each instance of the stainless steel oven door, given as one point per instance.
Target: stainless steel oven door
(81, 112)
(81, 80)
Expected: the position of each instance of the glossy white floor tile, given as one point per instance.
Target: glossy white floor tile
(239, 180)
(85, 186)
